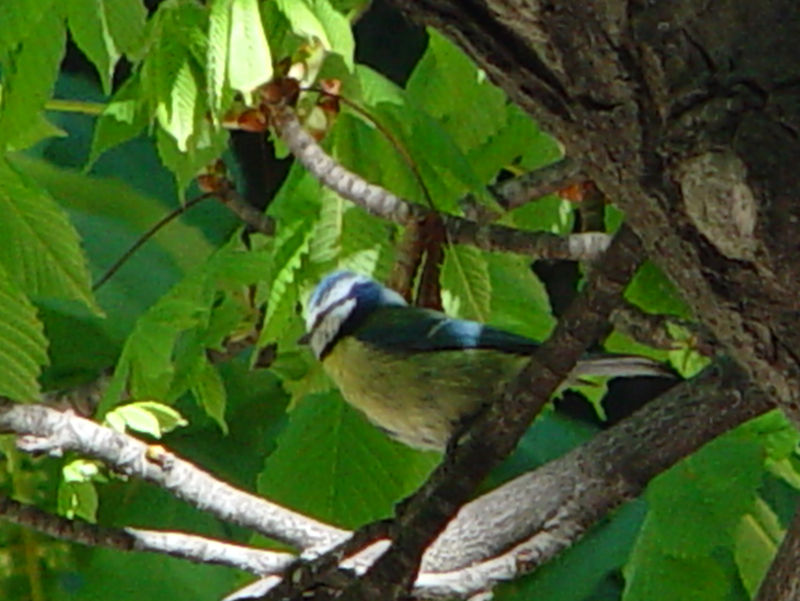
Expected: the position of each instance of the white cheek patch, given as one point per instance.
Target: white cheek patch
(337, 292)
(328, 327)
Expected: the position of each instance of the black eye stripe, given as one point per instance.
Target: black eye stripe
(319, 319)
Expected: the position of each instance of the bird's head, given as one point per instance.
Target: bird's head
(339, 304)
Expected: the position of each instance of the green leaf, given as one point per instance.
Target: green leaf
(466, 285)
(126, 24)
(219, 32)
(19, 20)
(88, 25)
(40, 251)
(548, 214)
(757, 540)
(210, 391)
(29, 79)
(23, 347)
(653, 292)
(202, 148)
(78, 500)
(123, 118)
(170, 72)
(519, 299)
(303, 21)
(652, 574)
(165, 354)
(332, 464)
(149, 417)
(337, 27)
(249, 58)
(355, 143)
(470, 116)
(695, 511)
(292, 244)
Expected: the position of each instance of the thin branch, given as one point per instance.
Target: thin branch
(185, 546)
(382, 203)
(521, 190)
(246, 212)
(47, 430)
(145, 237)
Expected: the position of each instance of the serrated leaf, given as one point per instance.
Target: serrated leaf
(177, 116)
(291, 246)
(219, 28)
(164, 356)
(28, 82)
(88, 25)
(355, 143)
(444, 168)
(40, 251)
(23, 347)
(466, 285)
(249, 58)
(332, 464)
(326, 239)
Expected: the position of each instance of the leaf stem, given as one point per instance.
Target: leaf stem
(75, 106)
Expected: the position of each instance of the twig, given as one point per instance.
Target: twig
(250, 215)
(146, 236)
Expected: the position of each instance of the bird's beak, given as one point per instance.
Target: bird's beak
(305, 338)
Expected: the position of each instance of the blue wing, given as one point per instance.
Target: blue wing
(411, 329)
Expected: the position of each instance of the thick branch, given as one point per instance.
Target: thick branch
(496, 433)
(552, 506)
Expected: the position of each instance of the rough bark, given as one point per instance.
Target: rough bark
(687, 114)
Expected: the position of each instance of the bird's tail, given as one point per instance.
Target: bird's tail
(621, 366)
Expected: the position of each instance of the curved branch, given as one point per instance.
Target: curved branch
(382, 203)
(47, 430)
(198, 549)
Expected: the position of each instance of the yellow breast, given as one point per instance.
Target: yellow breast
(418, 398)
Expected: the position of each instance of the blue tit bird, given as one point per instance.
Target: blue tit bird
(418, 374)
